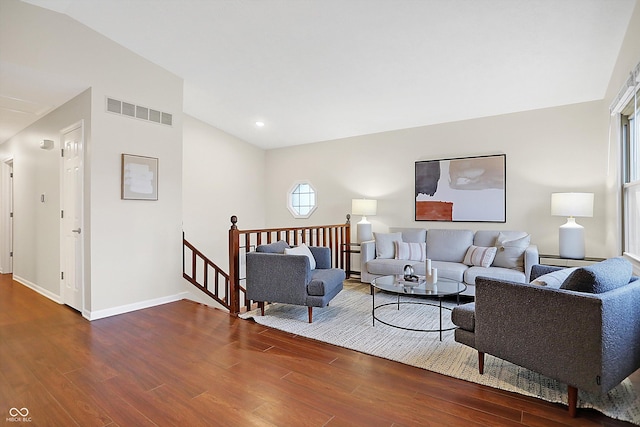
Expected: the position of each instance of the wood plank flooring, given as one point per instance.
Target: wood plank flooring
(186, 364)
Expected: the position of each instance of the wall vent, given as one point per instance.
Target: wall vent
(139, 112)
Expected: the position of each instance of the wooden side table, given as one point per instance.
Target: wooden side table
(557, 261)
(351, 248)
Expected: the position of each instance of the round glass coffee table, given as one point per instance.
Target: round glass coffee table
(396, 285)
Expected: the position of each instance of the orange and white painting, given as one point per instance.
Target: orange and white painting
(469, 189)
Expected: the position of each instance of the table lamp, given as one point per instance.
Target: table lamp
(364, 207)
(571, 234)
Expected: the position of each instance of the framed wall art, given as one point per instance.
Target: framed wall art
(139, 179)
(471, 189)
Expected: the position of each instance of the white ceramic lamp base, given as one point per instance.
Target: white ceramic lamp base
(571, 239)
(363, 230)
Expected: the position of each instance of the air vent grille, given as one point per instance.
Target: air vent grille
(139, 112)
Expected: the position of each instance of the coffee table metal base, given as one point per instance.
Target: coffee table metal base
(398, 303)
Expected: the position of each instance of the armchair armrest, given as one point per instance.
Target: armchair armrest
(531, 258)
(277, 277)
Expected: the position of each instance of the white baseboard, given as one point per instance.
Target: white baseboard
(38, 289)
(114, 311)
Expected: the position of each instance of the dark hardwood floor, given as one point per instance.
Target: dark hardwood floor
(186, 364)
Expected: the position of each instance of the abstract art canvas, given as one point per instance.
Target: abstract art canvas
(139, 180)
(469, 189)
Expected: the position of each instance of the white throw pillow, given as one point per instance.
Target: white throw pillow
(555, 279)
(384, 244)
(510, 250)
(303, 249)
(480, 256)
(411, 251)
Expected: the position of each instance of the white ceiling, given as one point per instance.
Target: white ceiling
(315, 70)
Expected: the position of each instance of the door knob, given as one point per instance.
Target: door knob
(77, 230)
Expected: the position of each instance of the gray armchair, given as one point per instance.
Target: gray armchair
(585, 333)
(273, 276)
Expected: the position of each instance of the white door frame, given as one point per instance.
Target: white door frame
(63, 254)
(6, 222)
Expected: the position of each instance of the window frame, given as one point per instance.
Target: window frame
(630, 150)
(294, 205)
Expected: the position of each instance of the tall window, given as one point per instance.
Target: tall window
(630, 120)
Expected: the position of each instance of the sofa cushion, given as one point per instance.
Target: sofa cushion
(303, 249)
(384, 244)
(485, 237)
(411, 235)
(448, 245)
(324, 281)
(411, 251)
(601, 277)
(273, 248)
(384, 266)
(555, 279)
(511, 249)
(499, 273)
(480, 255)
(448, 270)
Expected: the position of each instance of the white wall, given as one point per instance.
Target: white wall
(223, 176)
(548, 150)
(132, 248)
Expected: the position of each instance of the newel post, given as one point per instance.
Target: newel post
(346, 248)
(234, 267)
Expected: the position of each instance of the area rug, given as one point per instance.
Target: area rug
(347, 322)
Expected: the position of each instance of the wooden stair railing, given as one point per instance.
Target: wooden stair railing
(220, 291)
(227, 289)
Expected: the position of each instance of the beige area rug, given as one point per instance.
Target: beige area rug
(347, 323)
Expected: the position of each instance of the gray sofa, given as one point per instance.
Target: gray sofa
(447, 249)
(583, 331)
(273, 276)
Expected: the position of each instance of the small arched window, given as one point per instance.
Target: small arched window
(302, 199)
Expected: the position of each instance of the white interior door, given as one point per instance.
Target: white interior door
(72, 278)
(6, 222)
(10, 230)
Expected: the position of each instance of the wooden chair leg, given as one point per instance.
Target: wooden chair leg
(310, 309)
(261, 305)
(572, 393)
(481, 362)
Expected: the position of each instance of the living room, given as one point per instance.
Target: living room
(130, 256)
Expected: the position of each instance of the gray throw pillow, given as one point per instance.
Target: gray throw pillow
(601, 277)
(511, 250)
(274, 248)
(384, 244)
(555, 279)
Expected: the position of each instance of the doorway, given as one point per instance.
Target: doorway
(6, 224)
(72, 217)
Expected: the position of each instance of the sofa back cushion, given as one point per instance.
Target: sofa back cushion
(601, 277)
(385, 248)
(273, 248)
(411, 235)
(448, 245)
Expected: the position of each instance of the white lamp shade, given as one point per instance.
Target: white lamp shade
(572, 204)
(364, 207)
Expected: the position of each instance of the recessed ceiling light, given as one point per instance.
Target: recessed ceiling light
(260, 124)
